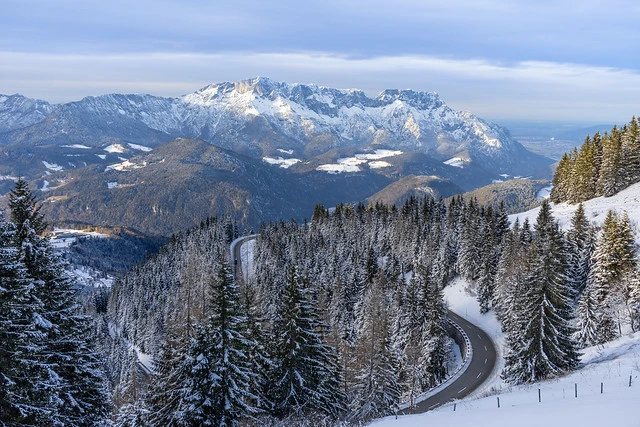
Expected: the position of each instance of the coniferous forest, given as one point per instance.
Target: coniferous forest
(604, 165)
(340, 319)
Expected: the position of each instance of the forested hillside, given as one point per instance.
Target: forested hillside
(604, 165)
(355, 295)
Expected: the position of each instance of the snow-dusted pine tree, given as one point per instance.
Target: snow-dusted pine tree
(71, 387)
(217, 390)
(544, 347)
(587, 320)
(307, 375)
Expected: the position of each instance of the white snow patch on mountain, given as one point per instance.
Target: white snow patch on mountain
(140, 147)
(377, 164)
(283, 163)
(378, 154)
(52, 166)
(126, 165)
(64, 237)
(456, 162)
(338, 168)
(544, 193)
(350, 164)
(79, 146)
(115, 148)
(111, 185)
(289, 152)
(45, 185)
(102, 156)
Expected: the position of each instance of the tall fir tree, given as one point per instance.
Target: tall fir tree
(307, 375)
(377, 390)
(544, 347)
(71, 387)
(581, 240)
(217, 390)
(613, 262)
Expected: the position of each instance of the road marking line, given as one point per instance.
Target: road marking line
(479, 375)
(463, 389)
(433, 406)
(479, 336)
(485, 361)
(485, 348)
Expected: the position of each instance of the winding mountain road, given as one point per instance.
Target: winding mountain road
(483, 359)
(477, 370)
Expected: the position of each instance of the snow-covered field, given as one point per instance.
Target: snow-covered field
(609, 368)
(351, 164)
(611, 365)
(283, 163)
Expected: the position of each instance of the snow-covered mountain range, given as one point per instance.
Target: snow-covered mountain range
(304, 143)
(17, 111)
(262, 118)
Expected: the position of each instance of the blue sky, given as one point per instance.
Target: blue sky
(542, 60)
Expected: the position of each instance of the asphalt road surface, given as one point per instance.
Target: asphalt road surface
(482, 361)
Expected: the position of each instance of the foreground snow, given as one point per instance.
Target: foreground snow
(611, 366)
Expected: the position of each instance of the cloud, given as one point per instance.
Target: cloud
(526, 89)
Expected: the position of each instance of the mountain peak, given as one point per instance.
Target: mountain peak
(421, 100)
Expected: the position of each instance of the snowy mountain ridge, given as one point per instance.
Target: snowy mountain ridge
(17, 111)
(260, 116)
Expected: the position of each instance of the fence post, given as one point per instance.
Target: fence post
(539, 396)
(630, 380)
(576, 388)
(601, 388)
(498, 402)
(454, 407)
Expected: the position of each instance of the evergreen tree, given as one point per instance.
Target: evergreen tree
(378, 390)
(217, 389)
(561, 180)
(306, 376)
(587, 322)
(70, 382)
(167, 405)
(581, 239)
(609, 180)
(544, 348)
(24, 387)
(613, 262)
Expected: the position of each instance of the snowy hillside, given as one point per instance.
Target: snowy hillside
(628, 200)
(609, 368)
(612, 365)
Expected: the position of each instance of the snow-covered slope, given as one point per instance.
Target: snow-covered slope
(628, 200)
(17, 111)
(262, 117)
(611, 366)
